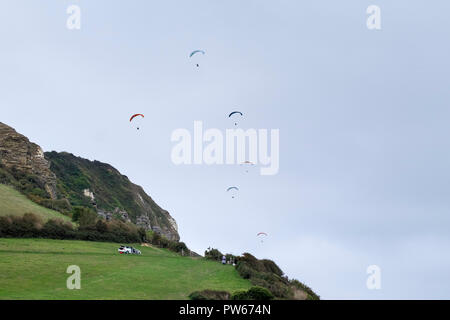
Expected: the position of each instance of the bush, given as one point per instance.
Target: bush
(178, 247)
(57, 229)
(240, 295)
(84, 216)
(244, 270)
(259, 293)
(210, 295)
(266, 274)
(213, 254)
(254, 293)
(31, 226)
(271, 267)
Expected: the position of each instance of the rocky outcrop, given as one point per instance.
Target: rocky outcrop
(18, 153)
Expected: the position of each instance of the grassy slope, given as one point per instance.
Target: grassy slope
(13, 202)
(36, 269)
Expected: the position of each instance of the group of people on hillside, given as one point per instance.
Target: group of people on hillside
(224, 261)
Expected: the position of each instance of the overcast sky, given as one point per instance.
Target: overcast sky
(363, 117)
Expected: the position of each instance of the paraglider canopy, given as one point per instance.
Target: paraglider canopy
(136, 115)
(196, 51)
(260, 233)
(233, 113)
(247, 163)
(234, 190)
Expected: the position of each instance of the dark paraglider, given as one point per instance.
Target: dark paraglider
(193, 53)
(233, 114)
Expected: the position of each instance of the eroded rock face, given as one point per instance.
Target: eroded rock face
(16, 151)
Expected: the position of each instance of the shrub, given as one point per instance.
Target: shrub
(213, 254)
(240, 295)
(254, 293)
(266, 274)
(259, 293)
(84, 216)
(101, 226)
(271, 267)
(178, 247)
(57, 229)
(244, 270)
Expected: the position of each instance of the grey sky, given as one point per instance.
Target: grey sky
(363, 117)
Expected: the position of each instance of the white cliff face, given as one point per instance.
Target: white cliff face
(88, 193)
(140, 198)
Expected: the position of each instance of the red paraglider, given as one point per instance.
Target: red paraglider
(136, 115)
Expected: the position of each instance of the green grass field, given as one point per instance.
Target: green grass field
(36, 269)
(14, 203)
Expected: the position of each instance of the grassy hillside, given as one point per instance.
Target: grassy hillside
(36, 269)
(14, 203)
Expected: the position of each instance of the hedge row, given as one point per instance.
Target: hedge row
(31, 226)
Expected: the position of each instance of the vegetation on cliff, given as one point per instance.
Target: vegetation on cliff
(112, 192)
(266, 274)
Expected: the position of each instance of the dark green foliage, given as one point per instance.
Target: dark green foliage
(101, 226)
(85, 217)
(270, 266)
(265, 273)
(31, 226)
(213, 254)
(210, 295)
(239, 295)
(158, 240)
(178, 246)
(254, 293)
(111, 189)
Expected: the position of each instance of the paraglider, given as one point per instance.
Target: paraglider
(233, 191)
(234, 114)
(247, 164)
(193, 53)
(136, 115)
(261, 234)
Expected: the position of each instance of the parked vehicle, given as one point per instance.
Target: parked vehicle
(128, 250)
